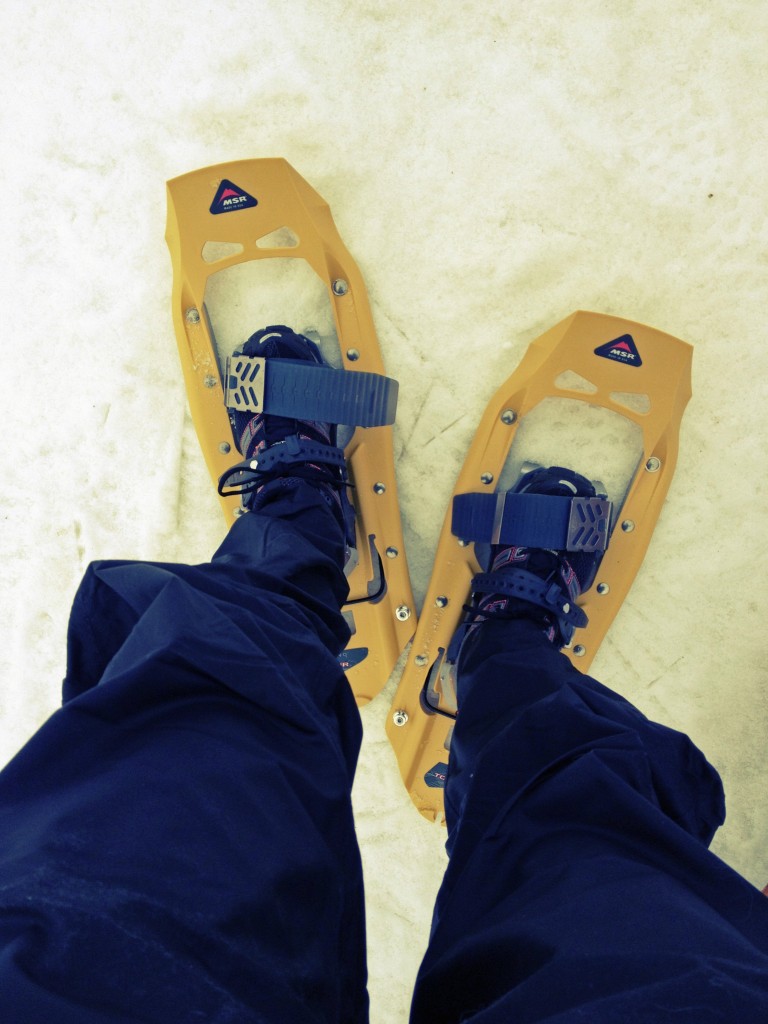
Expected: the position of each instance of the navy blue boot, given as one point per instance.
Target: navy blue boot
(279, 450)
(538, 584)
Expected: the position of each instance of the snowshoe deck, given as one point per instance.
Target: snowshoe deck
(588, 368)
(253, 244)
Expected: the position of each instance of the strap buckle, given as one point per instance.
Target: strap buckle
(244, 388)
(589, 524)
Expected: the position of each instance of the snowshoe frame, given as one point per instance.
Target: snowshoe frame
(234, 206)
(620, 359)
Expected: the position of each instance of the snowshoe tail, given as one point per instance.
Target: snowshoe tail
(595, 365)
(257, 228)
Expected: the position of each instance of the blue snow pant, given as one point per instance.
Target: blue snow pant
(177, 841)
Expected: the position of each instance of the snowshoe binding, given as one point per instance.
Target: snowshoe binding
(522, 581)
(277, 447)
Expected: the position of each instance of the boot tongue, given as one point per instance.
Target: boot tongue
(569, 569)
(541, 561)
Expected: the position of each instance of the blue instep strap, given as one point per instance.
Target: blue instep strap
(308, 391)
(533, 520)
(529, 587)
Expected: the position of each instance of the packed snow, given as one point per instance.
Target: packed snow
(492, 168)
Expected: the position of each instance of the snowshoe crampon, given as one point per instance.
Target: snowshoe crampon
(253, 244)
(599, 395)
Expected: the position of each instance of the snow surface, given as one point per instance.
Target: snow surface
(492, 168)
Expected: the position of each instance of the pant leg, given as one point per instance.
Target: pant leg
(579, 885)
(177, 842)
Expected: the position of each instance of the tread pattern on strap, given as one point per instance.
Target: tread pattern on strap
(304, 390)
(295, 449)
(529, 587)
(533, 520)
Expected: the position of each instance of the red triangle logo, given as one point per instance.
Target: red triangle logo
(230, 197)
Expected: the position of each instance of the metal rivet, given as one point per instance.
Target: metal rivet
(353, 355)
(340, 287)
(508, 416)
(653, 465)
(225, 447)
(628, 526)
(603, 588)
(392, 552)
(192, 315)
(463, 543)
(579, 650)
(210, 381)
(566, 608)
(400, 717)
(442, 601)
(486, 478)
(379, 487)
(421, 660)
(403, 612)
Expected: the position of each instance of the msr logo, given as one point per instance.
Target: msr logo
(231, 197)
(349, 658)
(436, 776)
(621, 350)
